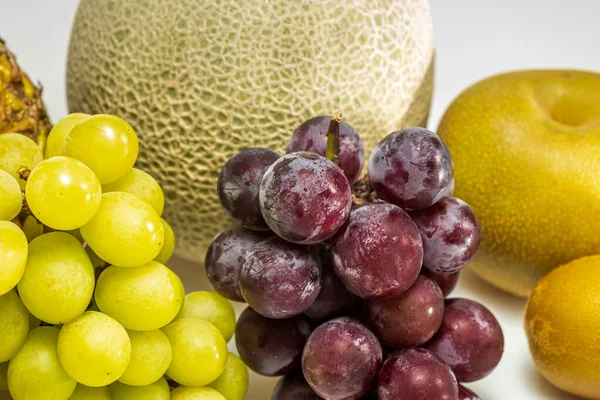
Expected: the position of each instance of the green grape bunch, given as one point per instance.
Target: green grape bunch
(87, 304)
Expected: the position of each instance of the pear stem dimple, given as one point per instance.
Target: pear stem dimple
(333, 138)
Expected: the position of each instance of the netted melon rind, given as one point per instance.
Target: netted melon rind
(200, 80)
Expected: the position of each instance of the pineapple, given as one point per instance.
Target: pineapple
(22, 109)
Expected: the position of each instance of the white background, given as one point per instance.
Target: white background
(474, 39)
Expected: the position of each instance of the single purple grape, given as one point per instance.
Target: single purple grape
(271, 347)
(341, 359)
(470, 340)
(411, 168)
(312, 136)
(334, 299)
(378, 253)
(294, 387)
(238, 186)
(466, 394)
(225, 257)
(446, 282)
(416, 374)
(280, 279)
(305, 198)
(409, 319)
(450, 234)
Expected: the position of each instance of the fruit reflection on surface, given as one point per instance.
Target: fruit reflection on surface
(341, 359)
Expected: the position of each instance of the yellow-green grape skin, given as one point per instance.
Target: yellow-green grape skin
(17, 151)
(233, 382)
(142, 185)
(11, 199)
(158, 390)
(14, 325)
(36, 372)
(3, 373)
(196, 393)
(96, 261)
(199, 352)
(211, 307)
(141, 298)
(94, 349)
(83, 392)
(150, 357)
(62, 193)
(13, 255)
(105, 143)
(34, 321)
(58, 282)
(60, 131)
(168, 244)
(32, 227)
(125, 231)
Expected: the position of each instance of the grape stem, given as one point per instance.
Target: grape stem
(333, 138)
(24, 173)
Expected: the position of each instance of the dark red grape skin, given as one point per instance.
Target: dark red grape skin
(341, 359)
(470, 340)
(378, 253)
(238, 186)
(225, 257)
(305, 198)
(411, 168)
(409, 319)
(280, 279)
(293, 387)
(450, 234)
(334, 299)
(271, 347)
(446, 282)
(466, 394)
(311, 136)
(416, 374)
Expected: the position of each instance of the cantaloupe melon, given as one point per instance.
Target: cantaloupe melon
(200, 80)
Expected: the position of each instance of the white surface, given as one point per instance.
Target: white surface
(474, 39)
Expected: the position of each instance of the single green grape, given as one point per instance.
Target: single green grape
(141, 298)
(125, 231)
(63, 193)
(58, 282)
(60, 131)
(105, 143)
(14, 325)
(3, 376)
(96, 261)
(94, 349)
(11, 199)
(83, 392)
(13, 255)
(32, 227)
(36, 372)
(168, 244)
(196, 393)
(211, 307)
(158, 390)
(150, 357)
(233, 382)
(199, 352)
(18, 151)
(141, 185)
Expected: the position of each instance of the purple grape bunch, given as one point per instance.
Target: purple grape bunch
(347, 279)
